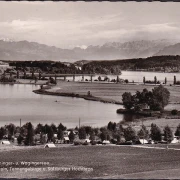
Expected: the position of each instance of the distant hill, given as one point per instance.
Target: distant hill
(155, 63)
(24, 50)
(170, 50)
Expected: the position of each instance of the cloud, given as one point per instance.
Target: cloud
(67, 25)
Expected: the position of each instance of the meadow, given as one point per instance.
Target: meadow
(102, 161)
(111, 90)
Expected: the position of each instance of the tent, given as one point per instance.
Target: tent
(143, 141)
(49, 146)
(87, 140)
(5, 142)
(175, 140)
(106, 142)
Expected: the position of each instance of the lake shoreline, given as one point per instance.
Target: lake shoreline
(85, 97)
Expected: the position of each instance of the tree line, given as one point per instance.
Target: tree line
(114, 132)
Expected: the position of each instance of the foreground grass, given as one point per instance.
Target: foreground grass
(106, 162)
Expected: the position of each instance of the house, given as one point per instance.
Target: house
(5, 142)
(49, 145)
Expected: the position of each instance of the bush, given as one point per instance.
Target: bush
(76, 143)
(126, 81)
(93, 143)
(85, 143)
(174, 112)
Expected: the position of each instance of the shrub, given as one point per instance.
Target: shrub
(93, 143)
(126, 81)
(76, 143)
(174, 112)
(85, 143)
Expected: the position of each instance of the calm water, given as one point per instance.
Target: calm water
(18, 101)
(137, 76)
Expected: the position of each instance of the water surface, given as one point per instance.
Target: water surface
(19, 102)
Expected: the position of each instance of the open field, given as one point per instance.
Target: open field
(102, 161)
(111, 90)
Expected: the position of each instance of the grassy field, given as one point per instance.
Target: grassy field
(111, 90)
(102, 161)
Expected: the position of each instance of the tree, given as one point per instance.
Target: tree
(30, 134)
(60, 135)
(20, 139)
(144, 80)
(168, 134)
(11, 128)
(177, 133)
(109, 126)
(2, 132)
(155, 133)
(155, 79)
(50, 134)
(128, 100)
(118, 79)
(143, 133)
(63, 128)
(43, 138)
(54, 128)
(92, 136)
(82, 133)
(160, 98)
(88, 129)
(130, 134)
(71, 136)
(174, 80)
(104, 135)
(39, 129)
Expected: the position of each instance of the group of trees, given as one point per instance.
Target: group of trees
(113, 132)
(45, 66)
(153, 82)
(156, 99)
(157, 63)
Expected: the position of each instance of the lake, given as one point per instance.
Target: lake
(137, 76)
(19, 102)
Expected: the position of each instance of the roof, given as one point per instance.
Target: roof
(5, 142)
(49, 145)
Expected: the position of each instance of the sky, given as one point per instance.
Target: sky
(71, 24)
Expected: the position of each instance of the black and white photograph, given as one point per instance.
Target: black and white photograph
(89, 90)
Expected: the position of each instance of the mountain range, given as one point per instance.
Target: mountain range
(25, 50)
